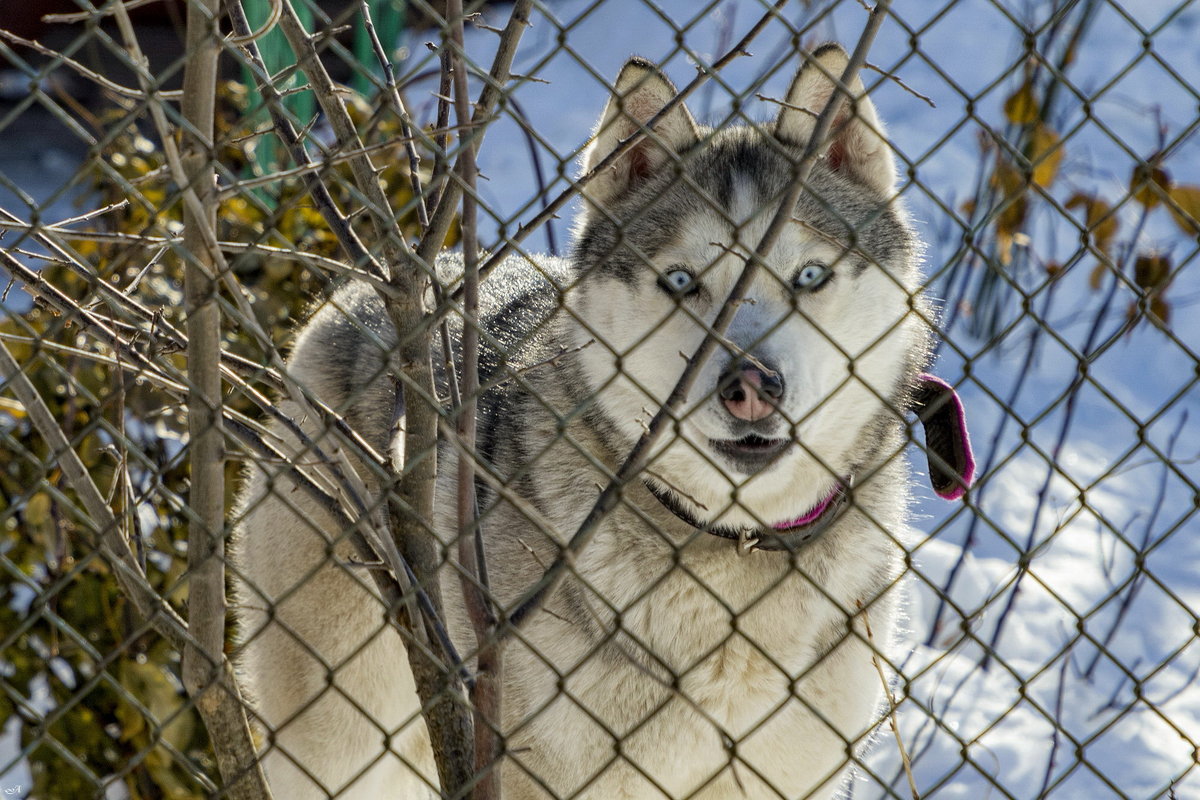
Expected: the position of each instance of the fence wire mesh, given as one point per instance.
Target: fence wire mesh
(404, 400)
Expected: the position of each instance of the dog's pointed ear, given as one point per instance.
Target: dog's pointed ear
(858, 145)
(641, 91)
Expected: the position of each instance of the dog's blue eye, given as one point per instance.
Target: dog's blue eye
(679, 283)
(812, 276)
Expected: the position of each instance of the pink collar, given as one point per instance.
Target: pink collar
(814, 513)
(787, 536)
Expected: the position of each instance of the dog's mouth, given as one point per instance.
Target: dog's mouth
(751, 452)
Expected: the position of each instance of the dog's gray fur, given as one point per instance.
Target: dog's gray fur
(671, 665)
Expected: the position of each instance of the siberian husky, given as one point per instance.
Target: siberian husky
(718, 636)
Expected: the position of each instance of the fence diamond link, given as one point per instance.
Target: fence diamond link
(434, 401)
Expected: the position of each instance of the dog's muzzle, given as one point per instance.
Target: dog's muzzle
(751, 391)
(947, 447)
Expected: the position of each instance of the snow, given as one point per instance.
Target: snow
(1090, 690)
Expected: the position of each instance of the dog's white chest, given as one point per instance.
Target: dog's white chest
(708, 685)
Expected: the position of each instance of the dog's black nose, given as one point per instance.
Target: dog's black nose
(751, 390)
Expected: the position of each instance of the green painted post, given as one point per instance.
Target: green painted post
(277, 55)
(389, 19)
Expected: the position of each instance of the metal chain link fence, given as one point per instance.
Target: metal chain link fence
(405, 400)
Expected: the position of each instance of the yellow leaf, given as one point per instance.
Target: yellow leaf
(1186, 208)
(277, 269)
(87, 249)
(1012, 187)
(1160, 308)
(162, 697)
(1152, 272)
(1143, 183)
(132, 723)
(89, 449)
(162, 769)
(1100, 219)
(1070, 54)
(1096, 276)
(1007, 179)
(1021, 107)
(1045, 154)
(1004, 246)
(37, 510)
(13, 408)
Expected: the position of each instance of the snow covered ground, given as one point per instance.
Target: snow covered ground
(1091, 689)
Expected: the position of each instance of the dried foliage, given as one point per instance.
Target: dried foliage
(120, 707)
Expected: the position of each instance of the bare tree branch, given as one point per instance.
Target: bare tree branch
(485, 695)
(493, 90)
(400, 109)
(411, 507)
(95, 77)
(206, 672)
(149, 604)
(366, 176)
(206, 439)
(355, 250)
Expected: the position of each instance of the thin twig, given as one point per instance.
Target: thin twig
(891, 699)
(83, 16)
(149, 605)
(401, 112)
(535, 161)
(95, 77)
(355, 250)
(786, 104)
(234, 188)
(896, 79)
(41, 230)
(441, 121)
(1051, 762)
(511, 373)
(495, 84)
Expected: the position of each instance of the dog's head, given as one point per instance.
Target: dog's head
(820, 359)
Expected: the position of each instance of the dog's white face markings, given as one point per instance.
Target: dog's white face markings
(840, 349)
(841, 345)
